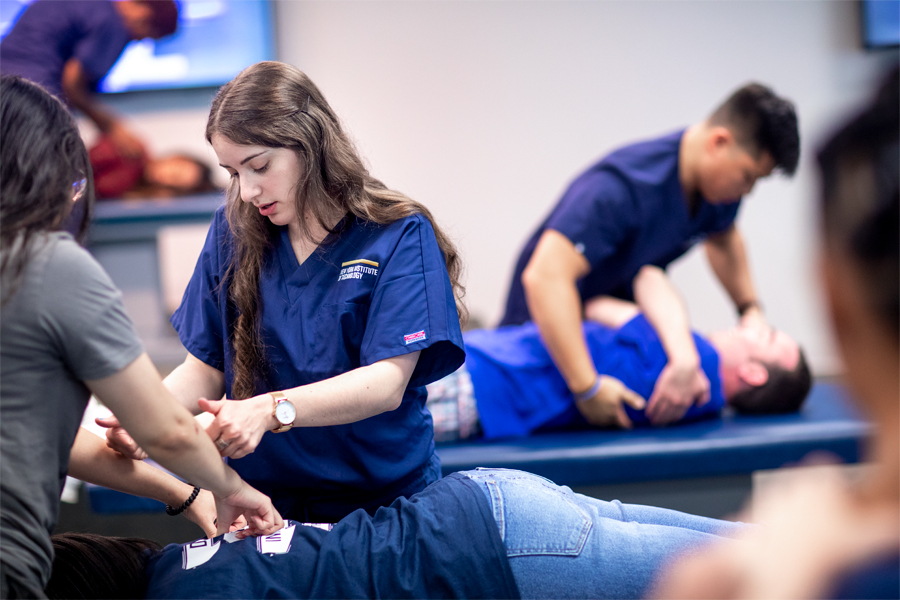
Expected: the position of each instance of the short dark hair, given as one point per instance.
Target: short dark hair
(86, 565)
(783, 392)
(860, 167)
(762, 121)
(165, 17)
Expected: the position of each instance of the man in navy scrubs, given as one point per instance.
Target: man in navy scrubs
(68, 47)
(647, 204)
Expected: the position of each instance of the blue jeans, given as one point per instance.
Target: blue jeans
(565, 545)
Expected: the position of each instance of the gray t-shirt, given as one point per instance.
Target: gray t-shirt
(64, 324)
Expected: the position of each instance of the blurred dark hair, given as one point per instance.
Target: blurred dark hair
(761, 121)
(783, 392)
(86, 565)
(860, 167)
(206, 183)
(43, 166)
(165, 17)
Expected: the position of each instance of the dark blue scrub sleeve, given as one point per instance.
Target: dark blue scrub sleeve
(413, 308)
(198, 320)
(725, 215)
(597, 214)
(105, 39)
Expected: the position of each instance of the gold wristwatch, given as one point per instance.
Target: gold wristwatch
(284, 412)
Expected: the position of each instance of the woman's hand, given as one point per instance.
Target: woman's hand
(262, 518)
(202, 511)
(239, 425)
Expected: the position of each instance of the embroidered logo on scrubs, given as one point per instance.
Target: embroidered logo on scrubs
(355, 269)
(418, 336)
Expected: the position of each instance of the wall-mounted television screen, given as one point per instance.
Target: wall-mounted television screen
(214, 41)
(880, 23)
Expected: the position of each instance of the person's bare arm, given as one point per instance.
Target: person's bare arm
(550, 283)
(190, 381)
(77, 90)
(346, 398)
(682, 382)
(553, 300)
(92, 461)
(194, 379)
(171, 436)
(727, 257)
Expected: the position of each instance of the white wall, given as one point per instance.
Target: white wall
(484, 111)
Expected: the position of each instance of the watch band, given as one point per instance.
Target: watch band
(279, 397)
(745, 306)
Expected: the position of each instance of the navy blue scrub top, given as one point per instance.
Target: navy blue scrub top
(442, 543)
(626, 211)
(519, 391)
(374, 292)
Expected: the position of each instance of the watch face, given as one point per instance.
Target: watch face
(285, 412)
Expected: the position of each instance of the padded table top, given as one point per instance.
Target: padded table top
(732, 445)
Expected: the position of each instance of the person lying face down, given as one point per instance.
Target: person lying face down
(487, 533)
(509, 385)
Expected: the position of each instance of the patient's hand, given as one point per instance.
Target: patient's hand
(605, 408)
(678, 387)
(119, 440)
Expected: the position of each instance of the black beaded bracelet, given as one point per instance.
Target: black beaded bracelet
(177, 511)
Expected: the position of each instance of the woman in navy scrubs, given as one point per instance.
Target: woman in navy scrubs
(321, 305)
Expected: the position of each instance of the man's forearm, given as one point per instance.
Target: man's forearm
(553, 300)
(666, 312)
(75, 87)
(727, 257)
(555, 308)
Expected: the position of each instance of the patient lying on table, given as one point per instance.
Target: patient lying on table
(509, 385)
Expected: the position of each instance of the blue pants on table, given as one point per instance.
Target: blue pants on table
(565, 545)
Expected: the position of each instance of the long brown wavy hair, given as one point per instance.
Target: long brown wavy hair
(276, 105)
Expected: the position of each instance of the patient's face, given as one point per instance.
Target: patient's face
(769, 346)
(175, 172)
